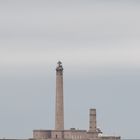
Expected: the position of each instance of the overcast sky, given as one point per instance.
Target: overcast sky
(98, 42)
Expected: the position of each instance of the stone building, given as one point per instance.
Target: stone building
(59, 133)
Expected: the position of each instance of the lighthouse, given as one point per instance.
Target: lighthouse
(59, 105)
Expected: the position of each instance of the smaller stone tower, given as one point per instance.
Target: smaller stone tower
(92, 120)
(92, 133)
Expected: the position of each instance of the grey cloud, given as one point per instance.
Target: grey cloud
(84, 22)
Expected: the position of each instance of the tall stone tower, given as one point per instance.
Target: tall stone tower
(59, 109)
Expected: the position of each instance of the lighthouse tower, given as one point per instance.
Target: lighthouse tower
(59, 108)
